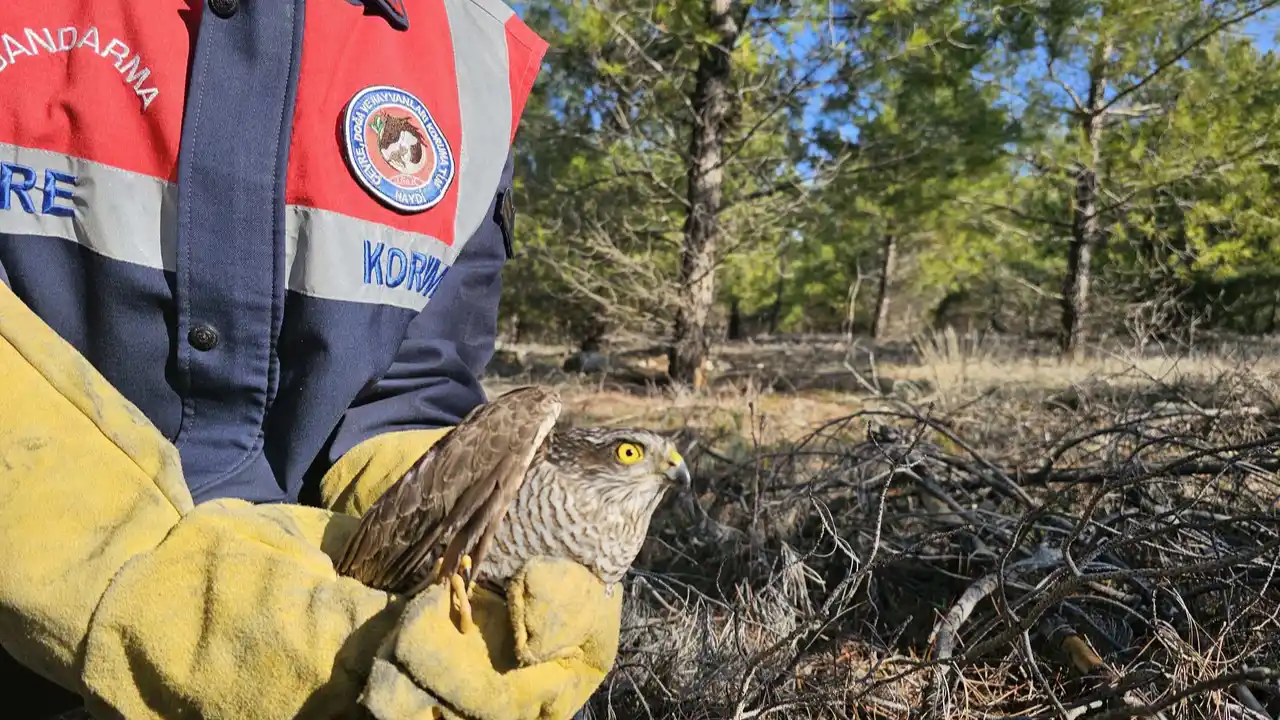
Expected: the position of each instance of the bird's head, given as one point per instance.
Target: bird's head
(620, 463)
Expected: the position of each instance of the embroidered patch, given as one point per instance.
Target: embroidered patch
(396, 150)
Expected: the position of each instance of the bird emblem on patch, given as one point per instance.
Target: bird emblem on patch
(396, 150)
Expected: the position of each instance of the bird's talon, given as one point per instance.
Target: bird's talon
(467, 575)
(466, 624)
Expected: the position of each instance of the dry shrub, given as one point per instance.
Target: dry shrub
(1111, 550)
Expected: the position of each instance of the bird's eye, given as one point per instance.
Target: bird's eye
(629, 453)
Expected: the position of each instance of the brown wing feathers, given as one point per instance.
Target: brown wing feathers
(385, 533)
(452, 499)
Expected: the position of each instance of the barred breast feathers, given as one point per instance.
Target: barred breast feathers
(603, 529)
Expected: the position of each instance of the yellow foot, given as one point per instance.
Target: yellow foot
(435, 571)
(459, 591)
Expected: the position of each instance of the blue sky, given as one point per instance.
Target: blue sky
(1262, 29)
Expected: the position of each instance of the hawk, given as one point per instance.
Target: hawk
(401, 144)
(505, 486)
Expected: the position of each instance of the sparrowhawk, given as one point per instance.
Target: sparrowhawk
(505, 485)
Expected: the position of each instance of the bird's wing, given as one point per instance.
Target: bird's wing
(456, 492)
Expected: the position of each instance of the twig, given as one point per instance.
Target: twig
(1214, 683)
(947, 629)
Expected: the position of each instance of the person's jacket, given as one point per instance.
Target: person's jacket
(277, 227)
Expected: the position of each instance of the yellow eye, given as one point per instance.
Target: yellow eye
(630, 453)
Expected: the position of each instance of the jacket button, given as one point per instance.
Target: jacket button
(203, 338)
(224, 8)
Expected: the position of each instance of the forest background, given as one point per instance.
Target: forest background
(964, 313)
(1067, 170)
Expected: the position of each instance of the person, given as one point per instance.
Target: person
(250, 268)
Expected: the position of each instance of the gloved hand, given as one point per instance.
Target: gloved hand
(566, 638)
(255, 624)
(114, 585)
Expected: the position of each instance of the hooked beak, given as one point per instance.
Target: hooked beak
(678, 471)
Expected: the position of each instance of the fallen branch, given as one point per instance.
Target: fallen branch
(946, 630)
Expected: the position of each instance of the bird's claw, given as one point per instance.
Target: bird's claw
(460, 592)
(461, 583)
(464, 568)
(467, 575)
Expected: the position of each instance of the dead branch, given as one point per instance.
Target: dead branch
(944, 635)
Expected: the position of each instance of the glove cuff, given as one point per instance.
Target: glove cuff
(80, 458)
(238, 613)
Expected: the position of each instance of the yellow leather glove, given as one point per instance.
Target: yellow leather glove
(114, 585)
(558, 655)
(254, 623)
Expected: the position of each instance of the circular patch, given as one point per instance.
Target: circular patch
(396, 150)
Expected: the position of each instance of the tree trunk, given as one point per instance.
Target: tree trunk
(735, 319)
(517, 329)
(888, 259)
(592, 339)
(711, 102)
(779, 292)
(1084, 219)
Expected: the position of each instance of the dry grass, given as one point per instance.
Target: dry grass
(960, 366)
(1130, 505)
(767, 393)
(763, 417)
